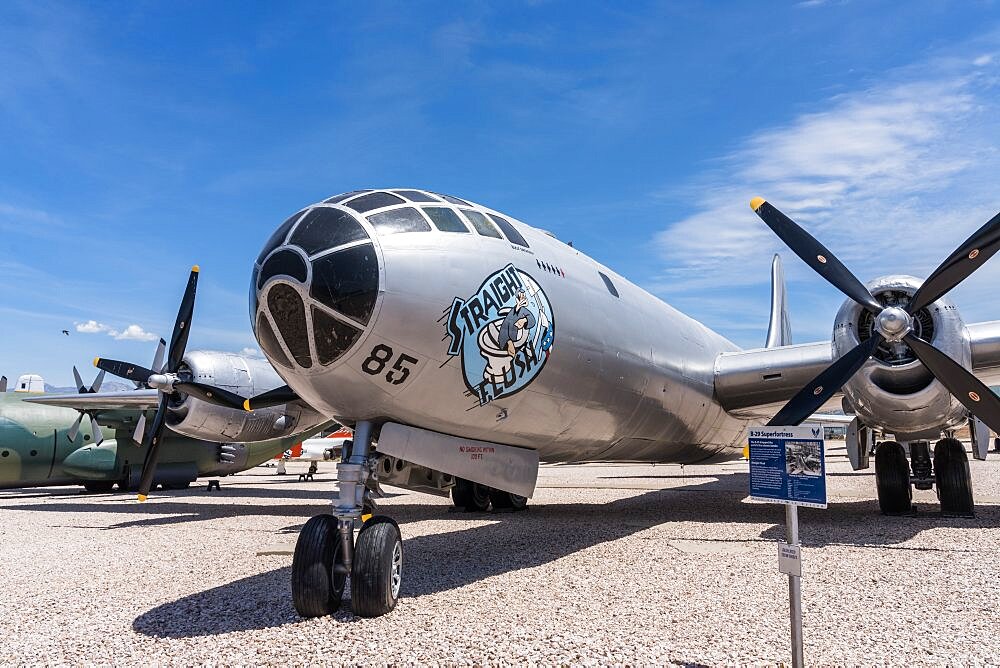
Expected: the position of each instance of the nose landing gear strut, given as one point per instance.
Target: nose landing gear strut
(327, 550)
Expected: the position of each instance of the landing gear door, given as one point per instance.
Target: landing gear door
(859, 444)
(980, 434)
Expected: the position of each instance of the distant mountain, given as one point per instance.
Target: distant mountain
(106, 386)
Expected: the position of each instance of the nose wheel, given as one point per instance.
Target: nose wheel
(327, 550)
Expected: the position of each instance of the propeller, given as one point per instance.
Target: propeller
(82, 388)
(165, 379)
(891, 322)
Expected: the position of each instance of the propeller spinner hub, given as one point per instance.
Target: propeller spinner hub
(893, 323)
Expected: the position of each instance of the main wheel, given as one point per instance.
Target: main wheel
(471, 495)
(99, 486)
(953, 479)
(377, 571)
(316, 588)
(892, 479)
(502, 500)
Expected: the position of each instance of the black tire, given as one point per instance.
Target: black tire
(892, 479)
(953, 478)
(316, 589)
(475, 498)
(502, 500)
(376, 574)
(99, 486)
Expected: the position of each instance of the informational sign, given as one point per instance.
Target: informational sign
(790, 559)
(787, 465)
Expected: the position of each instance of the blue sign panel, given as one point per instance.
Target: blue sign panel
(787, 465)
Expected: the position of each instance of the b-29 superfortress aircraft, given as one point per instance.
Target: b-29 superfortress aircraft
(464, 347)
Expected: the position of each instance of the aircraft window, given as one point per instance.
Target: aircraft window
(289, 313)
(286, 262)
(445, 220)
(415, 196)
(333, 338)
(325, 227)
(269, 342)
(374, 200)
(512, 235)
(610, 286)
(347, 281)
(278, 237)
(406, 219)
(342, 197)
(482, 224)
(453, 200)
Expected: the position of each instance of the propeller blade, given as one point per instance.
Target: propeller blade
(75, 429)
(182, 329)
(825, 385)
(815, 254)
(152, 443)
(211, 394)
(968, 257)
(123, 369)
(140, 428)
(80, 387)
(275, 397)
(161, 348)
(95, 387)
(969, 390)
(96, 429)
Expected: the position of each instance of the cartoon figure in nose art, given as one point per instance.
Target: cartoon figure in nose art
(516, 325)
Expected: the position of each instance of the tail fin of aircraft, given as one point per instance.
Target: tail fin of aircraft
(779, 329)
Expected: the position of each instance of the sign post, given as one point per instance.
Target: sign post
(787, 466)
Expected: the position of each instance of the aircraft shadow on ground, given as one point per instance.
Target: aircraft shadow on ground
(514, 541)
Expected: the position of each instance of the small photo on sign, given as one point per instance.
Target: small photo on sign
(803, 458)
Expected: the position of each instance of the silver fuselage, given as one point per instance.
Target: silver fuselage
(627, 377)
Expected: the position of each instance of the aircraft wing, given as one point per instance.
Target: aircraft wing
(137, 400)
(756, 383)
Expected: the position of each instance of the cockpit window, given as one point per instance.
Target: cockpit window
(332, 337)
(269, 342)
(608, 284)
(288, 311)
(453, 200)
(325, 227)
(278, 237)
(445, 220)
(374, 200)
(342, 197)
(347, 281)
(512, 234)
(405, 219)
(482, 224)
(285, 262)
(415, 196)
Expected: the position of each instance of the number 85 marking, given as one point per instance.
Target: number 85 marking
(380, 356)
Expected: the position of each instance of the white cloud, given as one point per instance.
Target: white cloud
(135, 333)
(890, 178)
(250, 352)
(984, 59)
(130, 333)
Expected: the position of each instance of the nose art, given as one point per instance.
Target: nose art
(314, 288)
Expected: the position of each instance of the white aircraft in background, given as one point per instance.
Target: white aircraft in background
(463, 347)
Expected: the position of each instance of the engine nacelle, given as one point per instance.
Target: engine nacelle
(247, 377)
(894, 391)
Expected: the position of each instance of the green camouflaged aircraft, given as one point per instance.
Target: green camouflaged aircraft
(43, 445)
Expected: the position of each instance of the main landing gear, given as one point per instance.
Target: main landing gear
(474, 497)
(327, 550)
(949, 473)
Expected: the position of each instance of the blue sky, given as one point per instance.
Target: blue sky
(139, 138)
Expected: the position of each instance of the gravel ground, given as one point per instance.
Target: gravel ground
(618, 564)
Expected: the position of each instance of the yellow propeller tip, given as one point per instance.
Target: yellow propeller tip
(246, 405)
(365, 518)
(97, 360)
(756, 203)
(195, 269)
(141, 498)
